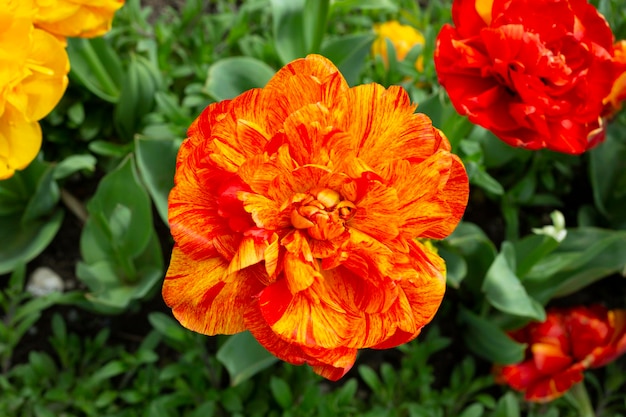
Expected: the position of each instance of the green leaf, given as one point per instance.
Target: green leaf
(109, 294)
(230, 77)
(168, 105)
(108, 371)
(348, 53)
(168, 327)
(22, 242)
(474, 410)
(96, 65)
(508, 406)
(479, 177)
(382, 5)
(586, 255)
(456, 267)
(504, 290)
(281, 392)
(156, 160)
(120, 187)
(371, 378)
(607, 171)
(315, 16)
(73, 164)
(474, 246)
(287, 28)
(104, 148)
(139, 86)
(531, 250)
(44, 199)
(243, 357)
(488, 341)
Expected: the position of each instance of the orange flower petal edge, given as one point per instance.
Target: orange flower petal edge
(560, 349)
(295, 213)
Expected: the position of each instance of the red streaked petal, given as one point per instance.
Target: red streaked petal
(312, 317)
(250, 251)
(305, 81)
(551, 388)
(329, 363)
(299, 273)
(202, 299)
(549, 359)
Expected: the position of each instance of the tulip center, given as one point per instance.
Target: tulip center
(322, 212)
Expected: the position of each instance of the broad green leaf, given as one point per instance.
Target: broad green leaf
(22, 242)
(108, 293)
(104, 148)
(472, 244)
(474, 410)
(44, 198)
(456, 267)
(504, 290)
(96, 65)
(243, 357)
(287, 28)
(139, 86)
(73, 164)
(508, 406)
(607, 172)
(315, 16)
(168, 327)
(156, 160)
(371, 378)
(168, 105)
(479, 177)
(231, 76)
(585, 256)
(382, 5)
(348, 53)
(109, 370)
(488, 341)
(531, 250)
(281, 392)
(120, 187)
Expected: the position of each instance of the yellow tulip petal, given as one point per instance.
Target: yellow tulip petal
(49, 65)
(20, 141)
(76, 18)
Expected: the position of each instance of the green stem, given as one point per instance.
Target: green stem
(580, 395)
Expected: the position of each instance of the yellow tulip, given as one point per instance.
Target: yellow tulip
(402, 37)
(76, 18)
(33, 78)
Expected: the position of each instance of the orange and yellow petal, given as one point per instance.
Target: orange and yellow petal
(305, 81)
(312, 317)
(329, 363)
(193, 212)
(204, 297)
(292, 187)
(435, 193)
